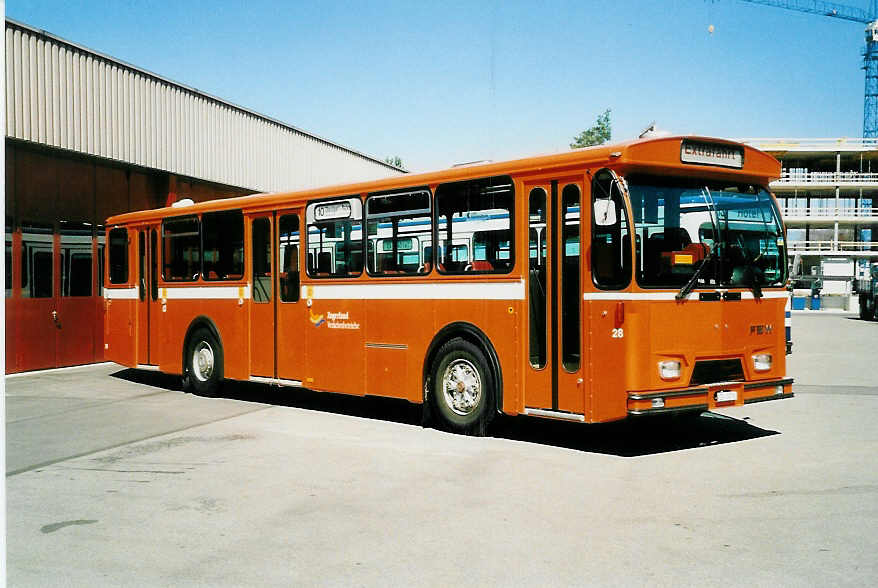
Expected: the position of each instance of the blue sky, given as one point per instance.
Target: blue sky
(438, 83)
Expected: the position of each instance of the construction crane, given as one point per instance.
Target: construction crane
(870, 53)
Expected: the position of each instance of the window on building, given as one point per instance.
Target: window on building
(102, 241)
(76, 259)
(474, 226)
(398, 231)
(335, 238)
(8, 260)
(37, 276)
(181, 249)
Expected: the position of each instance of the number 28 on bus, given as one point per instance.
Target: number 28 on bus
(632, 279)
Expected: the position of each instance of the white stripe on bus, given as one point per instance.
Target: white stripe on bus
(184, 293)
(120, 293)
(667, 295)
(430, 291)
(205, 292)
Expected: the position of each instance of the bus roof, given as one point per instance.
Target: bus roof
(651, 155)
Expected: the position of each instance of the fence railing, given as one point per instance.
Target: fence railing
(839, 246)
(828, 211)
(819, 177)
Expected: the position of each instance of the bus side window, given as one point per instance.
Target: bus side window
(223, 245)
(261, 252)
(398, 225)
(118, 256)
(181, 249)
(335, 227)
(611, 240)
(288, 248)
(474, 225)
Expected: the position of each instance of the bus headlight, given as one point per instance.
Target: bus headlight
(762, 362)
(669, 369)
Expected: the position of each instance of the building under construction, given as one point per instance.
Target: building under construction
(826, 193)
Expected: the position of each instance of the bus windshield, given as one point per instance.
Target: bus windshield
(706, 233)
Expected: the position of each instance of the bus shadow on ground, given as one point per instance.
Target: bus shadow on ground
(633, 437)
(629, 438)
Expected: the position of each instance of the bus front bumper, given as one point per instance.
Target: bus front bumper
(708, 396)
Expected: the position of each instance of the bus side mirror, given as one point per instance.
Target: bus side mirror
(604, 212)
(874, 271)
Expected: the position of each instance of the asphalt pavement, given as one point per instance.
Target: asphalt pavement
(117, 478)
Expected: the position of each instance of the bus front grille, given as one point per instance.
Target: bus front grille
(708, 371)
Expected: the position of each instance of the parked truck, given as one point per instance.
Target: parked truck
(867, 289)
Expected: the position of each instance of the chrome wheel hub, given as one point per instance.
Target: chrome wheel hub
(461, 386)
(202, 361)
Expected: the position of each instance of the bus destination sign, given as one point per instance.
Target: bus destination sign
(712, 154)
(332, 210)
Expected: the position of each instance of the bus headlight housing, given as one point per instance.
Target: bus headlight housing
(762, 362)
(669, 369)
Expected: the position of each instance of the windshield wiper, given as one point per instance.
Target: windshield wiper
(690, 285)
(711, 213)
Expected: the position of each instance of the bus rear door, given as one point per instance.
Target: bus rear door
(148, 305)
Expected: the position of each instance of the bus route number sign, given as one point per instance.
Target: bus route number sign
(332, 211)
(712, 154)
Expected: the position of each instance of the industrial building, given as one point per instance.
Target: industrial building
(826, 194)
(87, 137)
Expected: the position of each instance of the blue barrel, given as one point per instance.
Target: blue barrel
(799, 302)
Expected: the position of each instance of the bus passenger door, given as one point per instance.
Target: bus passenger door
(142, 297)
(553, 380)
(291, 313)
(262, 307)
(148, 305)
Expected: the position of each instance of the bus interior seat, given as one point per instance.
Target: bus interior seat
(481, 265)
(672, 239)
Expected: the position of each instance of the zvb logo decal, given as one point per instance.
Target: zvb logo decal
(761, 329)
(316, 319)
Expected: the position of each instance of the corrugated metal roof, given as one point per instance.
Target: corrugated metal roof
(64, 95)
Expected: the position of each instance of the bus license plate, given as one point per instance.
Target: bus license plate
(726, 395)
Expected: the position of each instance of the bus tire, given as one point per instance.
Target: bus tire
(463, 387)
(203, 368)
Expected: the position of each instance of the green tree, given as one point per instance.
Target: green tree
(597, 134)
(395, 161)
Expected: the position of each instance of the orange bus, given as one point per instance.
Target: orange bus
(638, 278)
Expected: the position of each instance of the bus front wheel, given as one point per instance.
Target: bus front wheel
(463, 388)
(203, 369)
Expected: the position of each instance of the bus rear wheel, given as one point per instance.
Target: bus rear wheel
(203, 363)
(463, 388)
